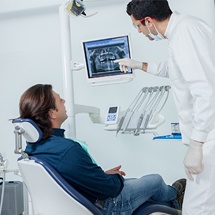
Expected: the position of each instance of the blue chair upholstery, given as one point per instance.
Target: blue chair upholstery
(63, 184)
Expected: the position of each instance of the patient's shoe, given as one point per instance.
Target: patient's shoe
(180, 186)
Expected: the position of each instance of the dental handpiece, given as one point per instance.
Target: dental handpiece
(120, 124)
(129, 120)
(146, 122)
(136, 132)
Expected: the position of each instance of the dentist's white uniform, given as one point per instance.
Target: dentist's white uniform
(191, 67)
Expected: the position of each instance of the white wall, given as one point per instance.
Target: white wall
(30, 54)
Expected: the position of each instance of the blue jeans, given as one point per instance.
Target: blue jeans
(147, 189)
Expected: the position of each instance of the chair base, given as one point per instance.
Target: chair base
(155, 208)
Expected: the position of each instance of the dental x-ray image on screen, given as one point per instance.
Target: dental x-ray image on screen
(101, 54)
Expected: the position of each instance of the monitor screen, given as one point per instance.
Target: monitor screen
(100, 55)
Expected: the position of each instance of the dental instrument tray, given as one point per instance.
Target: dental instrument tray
(143, 114)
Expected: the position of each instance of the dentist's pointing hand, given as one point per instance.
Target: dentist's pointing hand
(126, 63)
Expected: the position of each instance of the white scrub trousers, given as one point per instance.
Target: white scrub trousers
(199, 196)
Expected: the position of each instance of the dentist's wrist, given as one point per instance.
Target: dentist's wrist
(144, 66)
(195, 143)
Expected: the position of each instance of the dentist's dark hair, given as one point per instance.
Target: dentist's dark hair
(35, 104)
(157, 9)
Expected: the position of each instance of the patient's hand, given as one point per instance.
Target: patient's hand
(115, 170)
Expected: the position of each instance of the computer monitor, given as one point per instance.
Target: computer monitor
(99, 58)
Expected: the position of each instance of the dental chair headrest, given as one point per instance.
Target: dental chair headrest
(29, 129)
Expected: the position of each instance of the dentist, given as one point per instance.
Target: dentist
(191, 68)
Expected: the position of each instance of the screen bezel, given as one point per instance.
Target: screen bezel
(116, 76)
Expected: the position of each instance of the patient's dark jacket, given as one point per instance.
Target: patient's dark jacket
(75, 165)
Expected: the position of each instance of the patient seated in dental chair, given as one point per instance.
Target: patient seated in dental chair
(108, 190)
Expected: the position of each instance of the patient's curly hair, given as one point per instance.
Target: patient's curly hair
(35, 104)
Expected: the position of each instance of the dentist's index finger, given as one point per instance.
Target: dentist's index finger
(118, 60)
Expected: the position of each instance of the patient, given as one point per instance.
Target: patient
(108, 190)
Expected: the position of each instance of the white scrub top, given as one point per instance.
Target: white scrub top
(191, 67)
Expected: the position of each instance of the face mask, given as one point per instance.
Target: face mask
(156, 37)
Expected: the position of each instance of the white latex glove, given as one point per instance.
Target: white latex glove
(193, 159)
(127, 62)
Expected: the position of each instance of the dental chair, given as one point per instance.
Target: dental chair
(50, 193)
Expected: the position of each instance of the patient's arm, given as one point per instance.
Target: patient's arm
(115, 170)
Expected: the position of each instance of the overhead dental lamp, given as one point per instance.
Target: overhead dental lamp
(75, 8)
